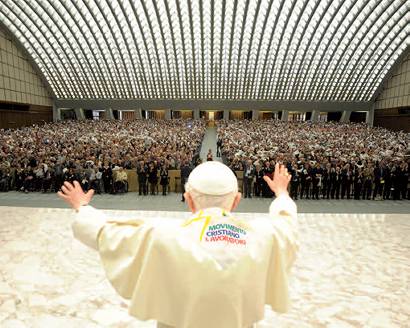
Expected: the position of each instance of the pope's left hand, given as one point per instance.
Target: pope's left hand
(73, 194)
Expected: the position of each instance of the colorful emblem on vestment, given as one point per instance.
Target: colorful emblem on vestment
(220, 232)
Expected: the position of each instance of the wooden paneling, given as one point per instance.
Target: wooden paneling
(35, 115)
(236, 115)
(128, 116)
(392, 118)
(156, 114)
(266, 115)
(184, 114)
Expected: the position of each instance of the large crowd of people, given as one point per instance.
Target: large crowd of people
(327, 160)
(97, 153)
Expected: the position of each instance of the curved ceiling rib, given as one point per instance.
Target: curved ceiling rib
(287, 50)
(104, 74)
(360, 42)
(72, 61)
(349, 15)
(356, 81)
(126, 53)
(313, 69)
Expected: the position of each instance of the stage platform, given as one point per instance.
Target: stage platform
(353, 270)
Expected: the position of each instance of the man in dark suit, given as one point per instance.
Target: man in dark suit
(218, 147)
(378, 186)
(306, 180)
(142, 170)
(107, 178)
(335, 181)
(326, 181)
(294, 182)
(259, 180)
(346, 182)
(316, 181)
(386, 180)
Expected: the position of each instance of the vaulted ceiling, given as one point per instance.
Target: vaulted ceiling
(320, 50)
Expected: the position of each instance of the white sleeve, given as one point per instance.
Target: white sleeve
(283, 206)
(88, 224)
(283, 213)
(282, 224)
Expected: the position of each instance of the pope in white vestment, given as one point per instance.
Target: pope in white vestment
(213, 270)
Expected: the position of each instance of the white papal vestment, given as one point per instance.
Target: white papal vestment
(211, 271)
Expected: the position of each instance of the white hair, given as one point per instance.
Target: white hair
(203, 201)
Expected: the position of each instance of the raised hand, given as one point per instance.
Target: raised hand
(74, 195)
(280, 182)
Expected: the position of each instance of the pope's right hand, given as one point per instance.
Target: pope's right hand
(280, 182)
(73, 194)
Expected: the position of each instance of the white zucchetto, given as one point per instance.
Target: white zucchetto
(213, 178)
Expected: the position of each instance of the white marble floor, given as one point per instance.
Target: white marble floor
(352, 271)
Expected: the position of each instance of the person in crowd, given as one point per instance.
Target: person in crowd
(142, 174)
(395, 176)
(47, 183)
(335, 181)
(19, 178)
(405, 181)
(28, 179)
(185, 172)
(346, 182)
(58, 175)
(268, 171)
(218, 147)
(387, 182)
(107, 175)
(248, 178)
(38, 178)
(358, 183)
(69, 174)
(294, 182)
(259, 174)
(316, 181)
(306, 178)
(4, 179)
(326, 182)
(209, 156)
(120, 181)
(368, 182)
(164, 178)
(83, 177)
(99, 184)
(91, 176)
(153, 178)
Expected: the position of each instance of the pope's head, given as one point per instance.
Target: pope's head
(212, 184)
